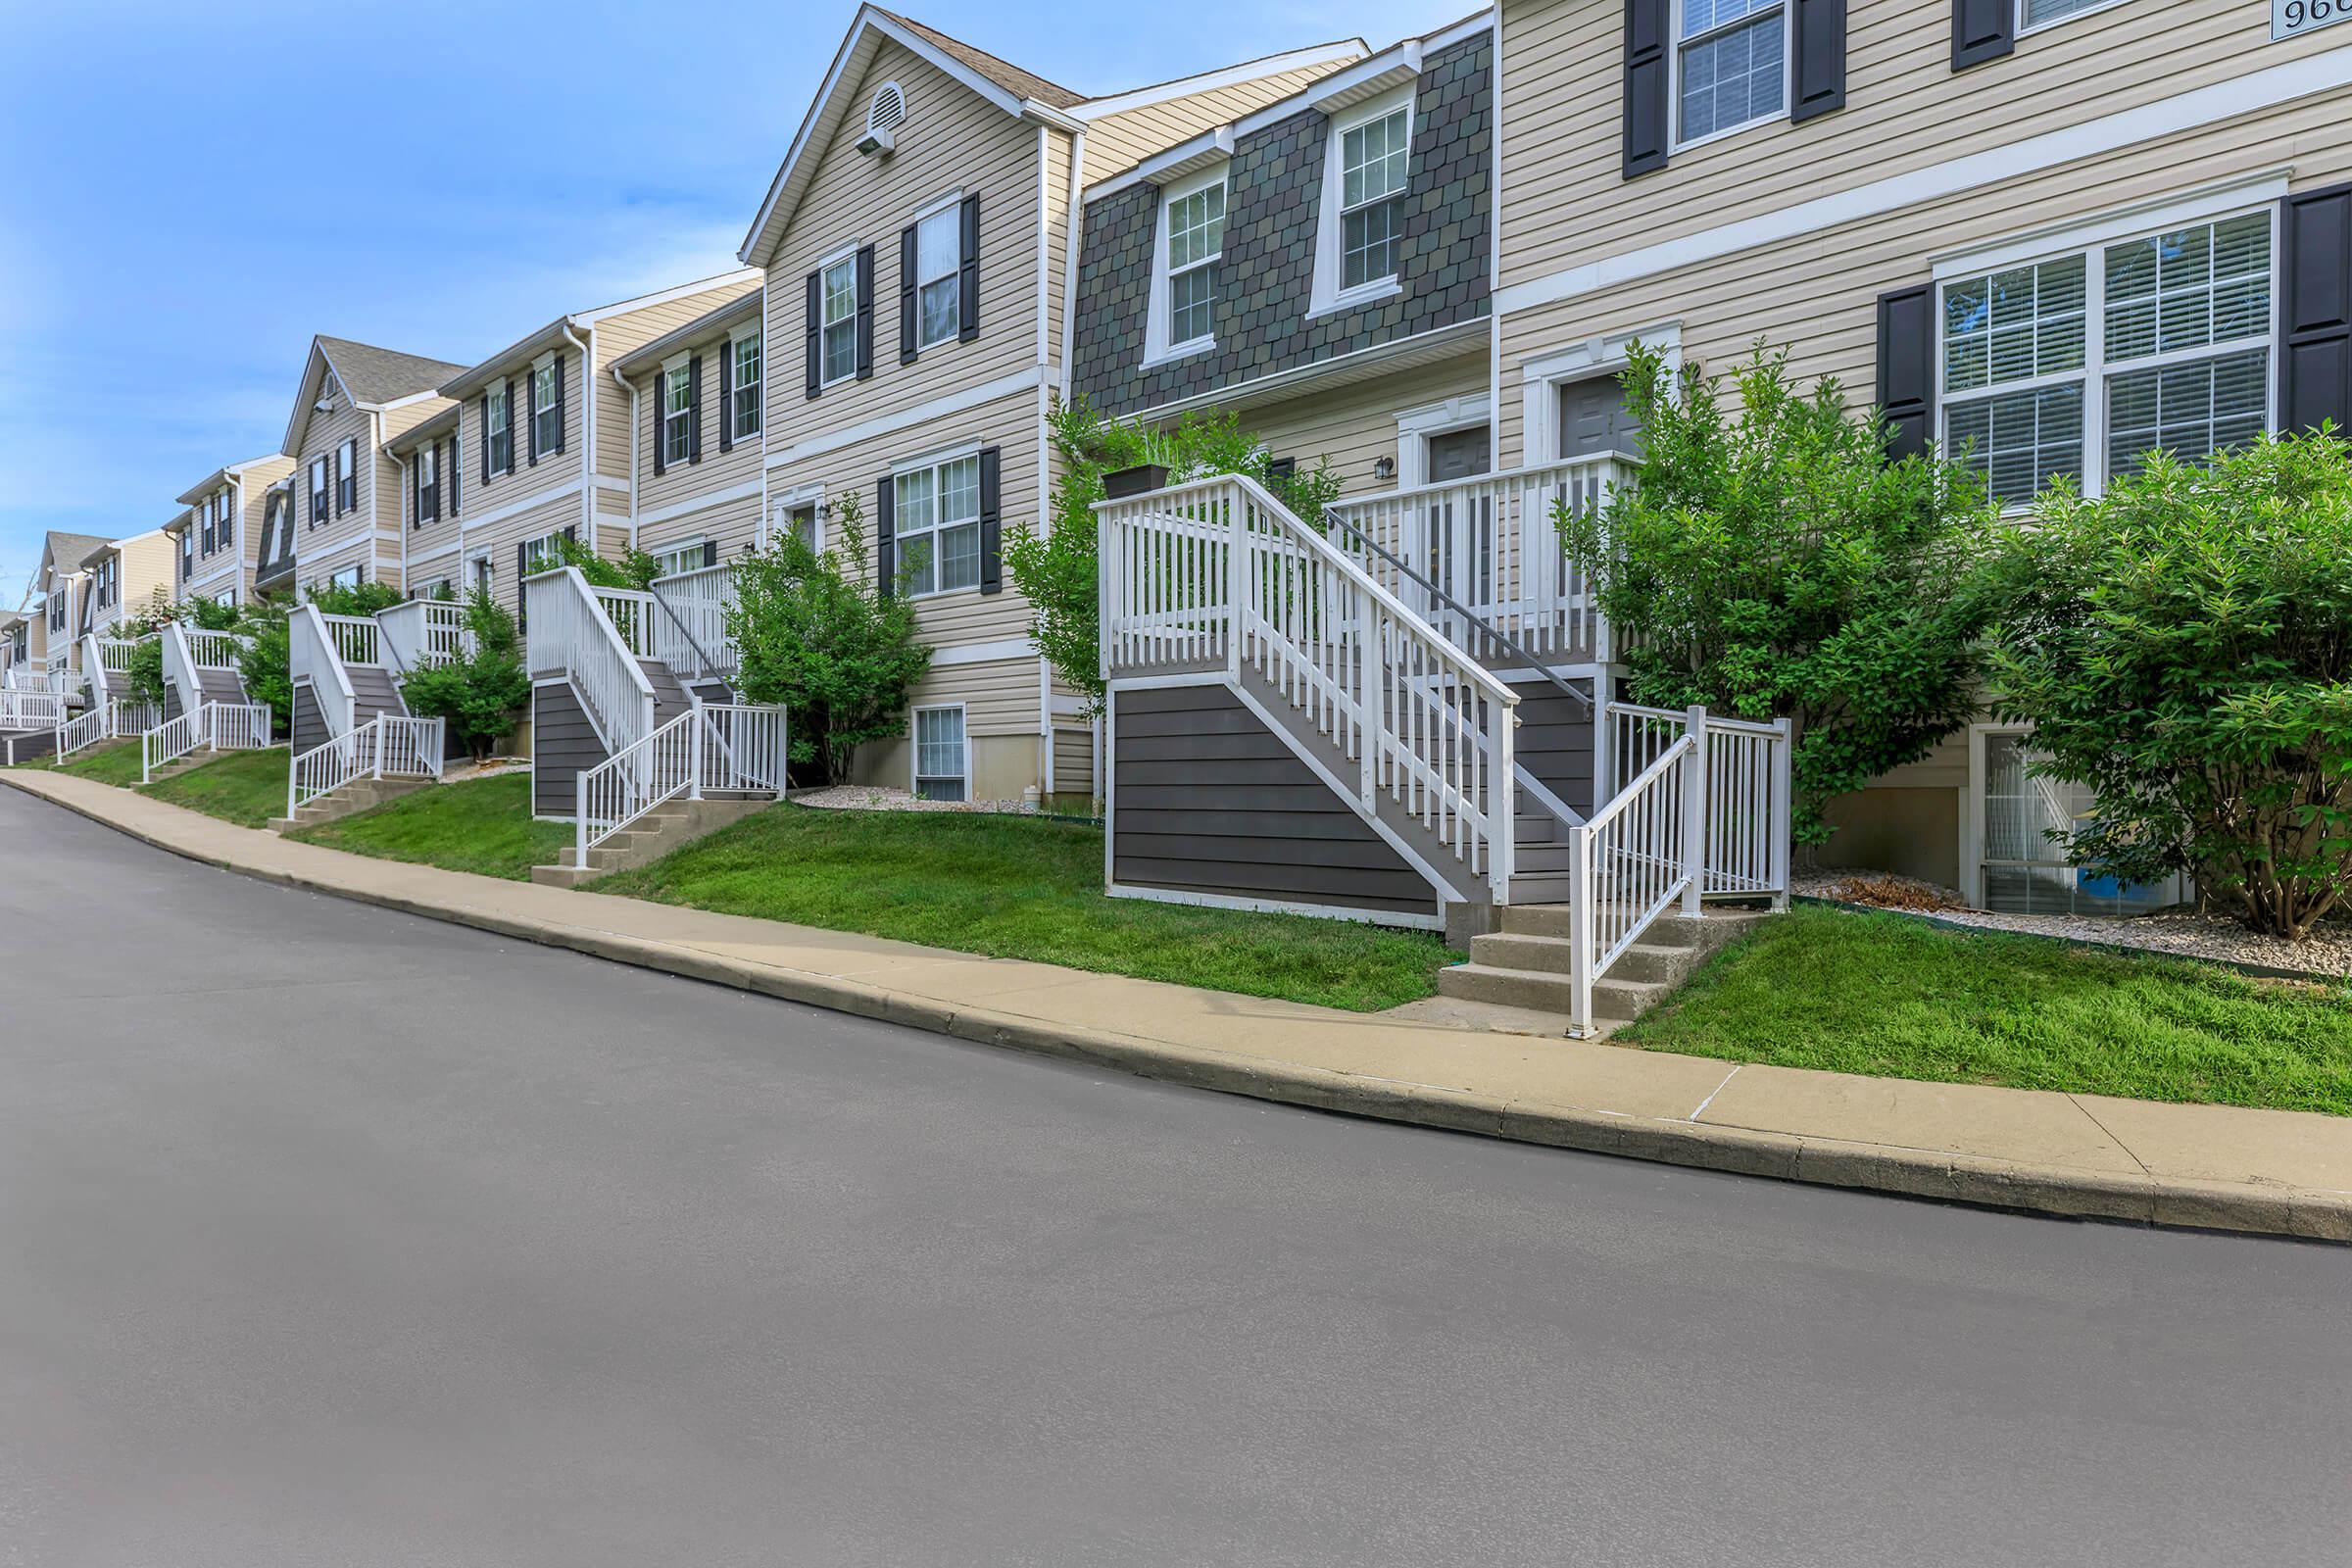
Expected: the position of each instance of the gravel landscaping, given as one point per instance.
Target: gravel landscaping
(876, 797)
(2326, 952)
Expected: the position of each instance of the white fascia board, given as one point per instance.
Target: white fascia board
(1338, 52)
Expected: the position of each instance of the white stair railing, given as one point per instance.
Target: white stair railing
(179, 666)
(572, 636)
(209, 726)
(387, 746)
(1628, 863)
(1490, 543)
(31, 709)
(666, 766)
(743, 748)
(313, 652)
(1218, 574)
(422, 633)
(1747, 794)
(693, 632)
(85, 729)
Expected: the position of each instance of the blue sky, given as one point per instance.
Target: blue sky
(188, 192)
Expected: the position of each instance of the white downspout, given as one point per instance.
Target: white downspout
(587, 437)
(630, 387)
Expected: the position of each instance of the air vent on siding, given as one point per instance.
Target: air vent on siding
(885, 113)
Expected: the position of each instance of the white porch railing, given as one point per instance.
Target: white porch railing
(693, 634)
(1218, 572)
(114, 653)
(661, 767)
(633, 615)
(1490, 544)
(209, 726)
(743, 748)
(424, 632)
(25, 678)
(1747, 794)
(31, 709)
(573, 635)
(356, 639)
(312, 642)
(387, 746)
(213, 650)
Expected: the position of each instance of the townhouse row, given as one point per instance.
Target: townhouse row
(2055, 232)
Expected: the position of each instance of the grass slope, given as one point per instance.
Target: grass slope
(1021, 888)
(1884, 995)
(482, 827)
(247, 788)
(115, 762)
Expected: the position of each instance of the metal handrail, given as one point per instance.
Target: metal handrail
(707, 665)
(1507, 643)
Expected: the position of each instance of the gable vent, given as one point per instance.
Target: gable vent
(885, 113)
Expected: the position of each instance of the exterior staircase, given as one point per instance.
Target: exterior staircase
(648, 837)
(347, 799)
(1530, 963)
(354, 743)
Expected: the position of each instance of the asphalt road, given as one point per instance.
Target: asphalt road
(329, 1236)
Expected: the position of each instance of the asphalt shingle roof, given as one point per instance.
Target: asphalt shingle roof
(383, 375)
(1006, 75)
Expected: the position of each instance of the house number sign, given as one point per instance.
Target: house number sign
(2289, 18)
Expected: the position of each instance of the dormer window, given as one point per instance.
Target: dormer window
(1359, 244)
(1182, 316)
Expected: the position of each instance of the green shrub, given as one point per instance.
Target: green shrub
(479, 695)
(2182, 646)
(354, 598)
(265, 662)
(1771, 564)
(145, 677)
(815, 635)
(635, 569)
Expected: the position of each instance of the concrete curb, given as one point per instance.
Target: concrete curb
(1947, 1176)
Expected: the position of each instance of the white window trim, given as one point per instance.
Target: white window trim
(2025, 30)
(695, 544)
(932, 463)
(751, 332)
(494, 396)
(2089, 240)
(915, 746)
(677, 364)
(1327, 296)
(1543, 377)
(846, 254)
(782, 505)
(1158, 350)
(1971, 816)
(948, 202)
(1471, 410)
(1674, 44)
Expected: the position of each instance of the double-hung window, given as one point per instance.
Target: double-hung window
(1731, 64)
(941, 766)
(937, 268)
(1195, 229)
(2032, 13)
(187, 553)
(428, 483)
(496, 429)
(745, 391)
(317, 491)
(204, 526)
(224, 521)
(838, 288)
(1373, 157)
(936, 525)
(347, 476)
(677, 412)
(547, 416)
(2076, 365)
(543, 554)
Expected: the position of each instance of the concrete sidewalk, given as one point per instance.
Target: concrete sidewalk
(2284, 1172)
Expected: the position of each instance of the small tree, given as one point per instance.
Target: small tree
(145, 677)
(1055, 571)
(265, 662)
(354, 598)
(480, 694)
(1772, 563)
(636, 569)
(2183, 647)
(816, 635)
(208, 614)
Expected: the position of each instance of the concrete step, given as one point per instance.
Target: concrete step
(1662, 964)
(360, 795)
(1614, 999)
(669, 826)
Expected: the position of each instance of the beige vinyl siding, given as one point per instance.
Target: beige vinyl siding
(148, 565)
(1565, 203)
(1355, 426)
(1004, 749)
(339, 539)
(951, 140)
(1119, 142)
(615, 338)
(1010, 425)
(498, 540)
(254, 515)
(735, 521)
(1818, 294)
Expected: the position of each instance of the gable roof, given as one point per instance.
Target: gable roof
(67, 550)
(1004, 72)
(371, 377)
(559, 330)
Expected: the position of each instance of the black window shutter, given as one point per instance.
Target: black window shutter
(817, 322)
(1820, 59)
(571, 532)
(886, 553)
(2315, 313)
(1907, 370)
(1981, 31)
(481, 436)
(907, 321)
(710, 552)
(865, 312)
(967, 285)
(992, 527)
(661, 417)
(726, 397)
(523, 566)
(530, 413)
(694, 409)
(559, 403)
(509, 425)
(1647, 23)
(450, 465)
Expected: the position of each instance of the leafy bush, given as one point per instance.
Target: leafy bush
(266, 663)
(209, 615)
(145, 677)
(636, 568)
(1771, 564)
(2181, 646)
(354, 598)
(1055, 571)
(481, 695)
(815, 636)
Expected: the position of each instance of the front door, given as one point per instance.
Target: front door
(1458, 544)
(1594, 419)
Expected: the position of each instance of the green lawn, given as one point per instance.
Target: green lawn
(483, 825)
(247, 788)
(1895, 997)
(1021, 888)
(115, 762)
